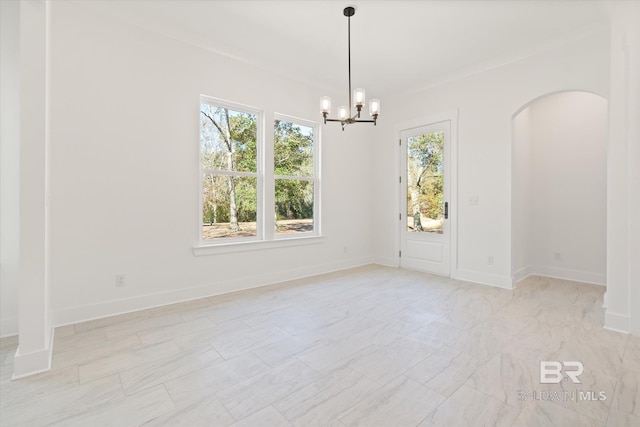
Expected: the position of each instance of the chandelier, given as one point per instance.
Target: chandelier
(358, 99)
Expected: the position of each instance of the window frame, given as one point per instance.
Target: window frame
(259, 174)
(265, 237)
(315, 179)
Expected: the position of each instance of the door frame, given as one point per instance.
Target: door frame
(452, 117)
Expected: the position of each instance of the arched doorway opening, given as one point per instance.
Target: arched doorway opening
(559, 188)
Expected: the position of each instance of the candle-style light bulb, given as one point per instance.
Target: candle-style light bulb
(342, 112)
(374, 107)
(325, 104)
(358, 97)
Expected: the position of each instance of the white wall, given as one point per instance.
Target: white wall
(487, 102)
(124, 183)
(9, 167)
(564, 180)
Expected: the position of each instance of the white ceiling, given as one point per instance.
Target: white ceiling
(396, 45)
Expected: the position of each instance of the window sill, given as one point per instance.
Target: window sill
(226, 248)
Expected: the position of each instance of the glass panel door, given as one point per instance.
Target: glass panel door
(425, 183)
(424, 227)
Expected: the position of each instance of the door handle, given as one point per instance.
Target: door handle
(446, 210)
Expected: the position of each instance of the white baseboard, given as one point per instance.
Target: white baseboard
(616, 322)
(559, 273)
(520, 274)
(8, 327)
(28, 364)
(567, 274)
(141, 302)
(483, 278)
(386, 261)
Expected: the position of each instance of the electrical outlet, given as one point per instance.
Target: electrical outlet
(121, 280)
(345, 249)
(490, 260)
(474, 200)
(556, 256)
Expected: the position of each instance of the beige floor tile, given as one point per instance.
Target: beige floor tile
(132, 410)
(140, 325)
(627, 395)
(112, 320)
(234, 343)
(202, 410)
(402, 402)
(321, 402)
(287, 348)
(188, 388)
(172, 331)
(71, 341)
(469, 407)
(59, 403)
(266, 417)
(82, 355)
(548, 414)
(465, 318)
(631, 357)
(438, 334)
(482, 344)
(163, 370)
(119, 362)
(180, 308)
(37, 386)
(255, 393)
(338, 354)
(444, 371)
(619, 419)
(392, 360)
(593, 397)
(200, 340)
(506, 378)
(599, 351)
(6, 371)
(11, 341)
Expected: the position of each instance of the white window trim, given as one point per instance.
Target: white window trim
(248, 246)
(265, 238)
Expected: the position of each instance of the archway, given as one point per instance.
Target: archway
(559, 188)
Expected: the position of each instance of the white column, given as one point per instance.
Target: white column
(623, 187)
(633, 177)
(34, 348)
(9, 166)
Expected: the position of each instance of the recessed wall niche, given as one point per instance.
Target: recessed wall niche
(559, 187)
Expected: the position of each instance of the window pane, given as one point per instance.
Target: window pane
(229, 206)
(227, 139)
(293, 149)
(425, 191)
(294, 206)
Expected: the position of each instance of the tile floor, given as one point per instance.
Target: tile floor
(368, 346)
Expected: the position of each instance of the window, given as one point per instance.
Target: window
(231, 175)
(236, 181)
(294, 164)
